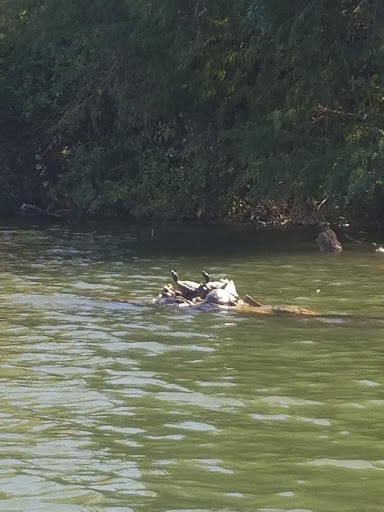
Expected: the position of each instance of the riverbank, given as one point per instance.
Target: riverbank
(269, 215)
(221, 114)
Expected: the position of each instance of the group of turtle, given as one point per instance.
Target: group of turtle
(221, 292)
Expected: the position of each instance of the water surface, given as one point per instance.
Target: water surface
(118, 406)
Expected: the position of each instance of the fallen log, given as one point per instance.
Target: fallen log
(171, 297)
(32, 209)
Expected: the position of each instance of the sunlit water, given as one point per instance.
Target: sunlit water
(124, 406)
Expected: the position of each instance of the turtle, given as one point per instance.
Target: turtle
(189, 289)
(212, 285)
(207, 286)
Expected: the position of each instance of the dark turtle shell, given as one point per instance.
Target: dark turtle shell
(189, 289)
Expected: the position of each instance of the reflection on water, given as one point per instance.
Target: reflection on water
(122, 406)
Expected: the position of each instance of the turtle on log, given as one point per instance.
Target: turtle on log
(208, 285)
(188, 289)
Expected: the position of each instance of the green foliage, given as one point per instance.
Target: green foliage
(192, 110)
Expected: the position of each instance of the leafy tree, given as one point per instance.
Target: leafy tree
(192, 109)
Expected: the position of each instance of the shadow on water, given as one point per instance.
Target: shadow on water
(218, 240)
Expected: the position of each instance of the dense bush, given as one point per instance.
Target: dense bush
(192, 109)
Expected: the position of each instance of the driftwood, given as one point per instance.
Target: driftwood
(328, 241)
(32, 209)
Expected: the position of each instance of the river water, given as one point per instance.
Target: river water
(118, 406)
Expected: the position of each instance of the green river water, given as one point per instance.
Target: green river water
(108, 406)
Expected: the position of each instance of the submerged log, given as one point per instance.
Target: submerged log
(328, 241)
(36, 210)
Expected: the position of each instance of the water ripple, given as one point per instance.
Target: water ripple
(110, 404)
